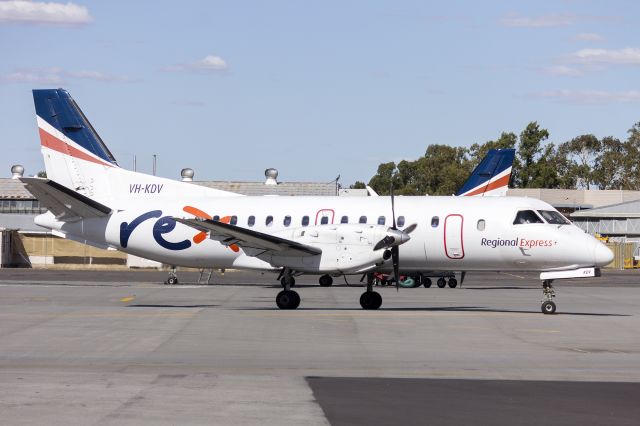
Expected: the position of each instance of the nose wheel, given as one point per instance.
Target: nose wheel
(548, 306)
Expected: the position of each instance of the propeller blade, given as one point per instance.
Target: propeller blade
(385, 242)
(395, 256)
(409, 229)
(393, 209)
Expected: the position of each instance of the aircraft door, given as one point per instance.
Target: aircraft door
(453, 244)
(324, 217)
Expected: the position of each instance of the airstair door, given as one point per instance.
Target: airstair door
(453, 243)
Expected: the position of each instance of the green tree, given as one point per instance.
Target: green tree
(581, 153)
(381, 181)
(358, 185)
(528, 153)
(608, 172)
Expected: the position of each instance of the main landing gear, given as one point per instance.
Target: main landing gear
(287, 298)
(370, 299)
(548, 306)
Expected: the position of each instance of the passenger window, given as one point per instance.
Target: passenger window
(481, 225)
(216, 218)
(234, 220)
(381, 220)
(287, 221)
(527, 216)
(553, 217)
(400, 221)
(324, 220)
(363, 219)
(305, 220)
(269, 221)
(435, 221)
(251, 221)
(344, 219)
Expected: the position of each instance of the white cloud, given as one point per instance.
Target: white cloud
(591, 37)
(626, 56)
(562, 70)
(33, 12)
(589, 96)
(209, 64)
(58, 76)
(515, 20)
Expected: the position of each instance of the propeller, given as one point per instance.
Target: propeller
(393, 239)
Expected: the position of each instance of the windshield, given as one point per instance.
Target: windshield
(527, 216)
(553, 217)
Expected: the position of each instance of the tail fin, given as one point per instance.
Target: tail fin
(75, 156)
(491, 176)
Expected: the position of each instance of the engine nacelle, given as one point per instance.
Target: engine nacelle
(345, 248)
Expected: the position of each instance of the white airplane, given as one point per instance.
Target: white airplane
(91, 199)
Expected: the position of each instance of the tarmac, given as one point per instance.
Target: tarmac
(119, 347)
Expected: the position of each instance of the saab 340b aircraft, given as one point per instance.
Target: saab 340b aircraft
(91, 199)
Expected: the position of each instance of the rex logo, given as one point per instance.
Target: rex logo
(201, 236)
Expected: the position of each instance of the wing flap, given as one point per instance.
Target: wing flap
(256, 242)
(64, 203)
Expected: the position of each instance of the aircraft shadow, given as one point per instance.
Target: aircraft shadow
(445, 309)
(171, 306)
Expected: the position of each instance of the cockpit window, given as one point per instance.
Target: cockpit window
(553, 217)
(527, 216)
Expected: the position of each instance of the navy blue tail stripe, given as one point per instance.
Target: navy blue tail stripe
(59, 109)
(495, 162)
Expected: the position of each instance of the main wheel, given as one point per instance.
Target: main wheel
(441, 282)
(426, 282)
(548, 307)
(370, 300)
(172, 280)
(453, 283)
(288, 299)
(326, 281)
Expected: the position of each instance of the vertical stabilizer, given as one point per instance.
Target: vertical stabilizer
(491, 177)
(76, 157)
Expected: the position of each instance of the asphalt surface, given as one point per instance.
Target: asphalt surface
(98, 347)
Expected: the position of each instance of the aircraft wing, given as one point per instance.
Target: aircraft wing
(254, 243)
(64, 203)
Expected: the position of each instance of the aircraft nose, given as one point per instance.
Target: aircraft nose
(602, 255)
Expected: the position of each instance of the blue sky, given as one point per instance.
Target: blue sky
(315, 89)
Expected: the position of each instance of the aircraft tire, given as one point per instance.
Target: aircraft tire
(442, 283)
(548, 307)
(326, 281)
(370, 300)
(426, 282)
(288, 299)
(453, 283)
(172, 280)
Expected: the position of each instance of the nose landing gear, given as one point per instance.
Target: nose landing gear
(548, 306)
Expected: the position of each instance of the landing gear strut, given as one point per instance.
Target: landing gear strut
(370, 299)
(287, 298)
(173, 277)
(548, 306)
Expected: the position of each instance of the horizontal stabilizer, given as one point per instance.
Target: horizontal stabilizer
(257, 243)
(64, 203)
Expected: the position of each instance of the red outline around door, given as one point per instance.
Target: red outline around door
(446, 252)
(333, 215)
